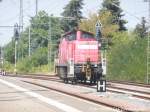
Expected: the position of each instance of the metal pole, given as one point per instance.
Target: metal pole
(1, 53)
(1, 58)
(15, 70)
(49, 45)
(29, 42)
(21, 16)
(36, 10)
(148, 44)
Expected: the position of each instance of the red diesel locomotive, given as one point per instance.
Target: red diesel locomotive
(79, 57)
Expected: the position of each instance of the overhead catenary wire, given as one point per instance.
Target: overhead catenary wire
(54, 5)
(17, 15)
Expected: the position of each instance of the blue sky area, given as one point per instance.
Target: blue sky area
(9, 11)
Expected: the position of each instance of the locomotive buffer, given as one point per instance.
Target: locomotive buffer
(101, 83)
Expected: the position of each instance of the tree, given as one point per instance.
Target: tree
(141, 29)
(42, 25)
(9, 52)
(73, 9)
(39, 29)
(114, 7)
(105, 19)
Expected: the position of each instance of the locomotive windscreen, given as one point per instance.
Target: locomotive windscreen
(87, 35)
(71, 36)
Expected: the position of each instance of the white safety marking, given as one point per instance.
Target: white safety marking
(52, 102)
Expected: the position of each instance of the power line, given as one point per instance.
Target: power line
(9, 26)
(54, 5)
(14, 17)
(14, 2)
(127, 12)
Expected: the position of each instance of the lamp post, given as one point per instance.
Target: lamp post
(49, 45)
(16, 35)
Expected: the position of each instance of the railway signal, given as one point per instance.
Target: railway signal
(98, 30)
(101, 82)
(16, 32)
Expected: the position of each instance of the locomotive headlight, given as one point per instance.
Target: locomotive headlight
(95, 65)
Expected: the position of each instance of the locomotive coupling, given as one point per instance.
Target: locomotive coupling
(86, 69)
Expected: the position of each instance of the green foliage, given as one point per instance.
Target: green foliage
(8, 66)
(9, 52)
(126, 55)
(24, 65)
(72, 9)
(127, 58)
(39, 30)
(40, 69)
(113, 6)
(141, 29)
(38, 59)
(105, 18)
(43, 28)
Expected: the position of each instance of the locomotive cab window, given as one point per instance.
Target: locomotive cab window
(71, 36)
(86, 35)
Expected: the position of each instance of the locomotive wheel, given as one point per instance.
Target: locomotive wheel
(94, 81)
(74, 81)
(91, 82)
(65, 80)
(84, 81)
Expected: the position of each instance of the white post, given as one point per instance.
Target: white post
(29, 42)
(15, 70)
(49, 45)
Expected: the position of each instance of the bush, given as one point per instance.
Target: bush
(127, 58)
(30, 64)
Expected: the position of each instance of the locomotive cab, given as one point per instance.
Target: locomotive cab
(78, 57)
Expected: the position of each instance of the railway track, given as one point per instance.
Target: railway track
(129, 83)
(133, 93)
(110, 87)
(81, 97)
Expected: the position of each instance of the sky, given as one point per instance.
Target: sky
(9, 11)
